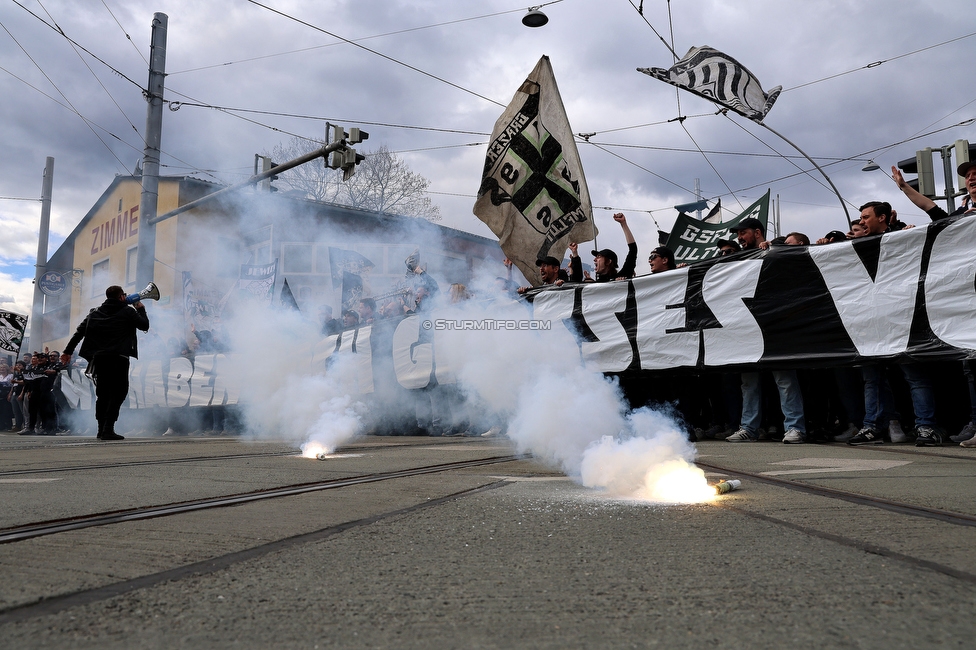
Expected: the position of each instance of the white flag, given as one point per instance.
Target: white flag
(533, 194)
(716, 76)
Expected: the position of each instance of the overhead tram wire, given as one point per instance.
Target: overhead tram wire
(80, 57)
(640, 11)
(876, 64)
(143, 56)
(376, 53)
(717, 173)
(76, 111)
(641, 167)
(82, 47)
(364, 38)
(784, 157)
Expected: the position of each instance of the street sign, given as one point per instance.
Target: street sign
(52, 283)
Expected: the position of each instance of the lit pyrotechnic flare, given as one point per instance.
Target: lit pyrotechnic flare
(678, 481)
(312, 449)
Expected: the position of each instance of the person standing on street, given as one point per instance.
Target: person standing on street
(109, 333)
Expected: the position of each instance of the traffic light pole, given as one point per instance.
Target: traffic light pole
(257, 178)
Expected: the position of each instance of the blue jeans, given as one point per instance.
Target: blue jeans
(879, 402)
(790, 400)
(923, 397)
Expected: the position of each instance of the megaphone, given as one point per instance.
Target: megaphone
(151, 292)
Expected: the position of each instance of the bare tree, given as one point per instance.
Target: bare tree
(383, 182)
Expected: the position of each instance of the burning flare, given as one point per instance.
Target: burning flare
(312, 449)
(677, 481)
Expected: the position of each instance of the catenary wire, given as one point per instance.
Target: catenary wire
(377, 53)
(82, 59)
(143, 56)
(357, 40)
(51, 81)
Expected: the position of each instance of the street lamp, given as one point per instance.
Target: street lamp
(535, 18)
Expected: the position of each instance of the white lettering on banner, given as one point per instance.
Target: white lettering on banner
(146, 384)
(877, 314)
(202, 385)
(413, 361)
(739, 340)
(178, 382)
(658, 348)
(227, 389)
(950, 285)
(553, 305)
(612, 353)
(77, 389)
(690, 233)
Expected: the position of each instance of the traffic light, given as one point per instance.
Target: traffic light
(963, 155)
(921, 164)
(345, 158)
(352, 158)
(265, 164)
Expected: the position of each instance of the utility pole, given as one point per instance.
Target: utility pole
(148, 202)
(40, 267)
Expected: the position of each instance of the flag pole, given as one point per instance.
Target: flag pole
(843, 204)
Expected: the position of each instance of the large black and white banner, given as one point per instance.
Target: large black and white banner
(908, 295)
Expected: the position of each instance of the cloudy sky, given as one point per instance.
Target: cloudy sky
(862, 79)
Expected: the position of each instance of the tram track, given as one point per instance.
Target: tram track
(55, 604)
(55, 526)
(946, 516)
(191, 459)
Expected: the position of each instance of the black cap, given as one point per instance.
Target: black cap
(607, 254)
(552, 261)
(748, 224)
(835, 236)
(728, 242)
(663, 251)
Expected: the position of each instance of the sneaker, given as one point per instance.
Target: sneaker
(742, 435)
(967, 433)
(849, 433)
(896, 433)
(866, 436)
(927, 437)
(110, 436)
(968, 443)
(492, 432)
(793, 436)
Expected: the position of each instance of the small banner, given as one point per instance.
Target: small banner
(12, 328)
(533, 194)
(693, 240)
(258, 280)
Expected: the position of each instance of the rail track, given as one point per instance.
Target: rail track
(54, 526)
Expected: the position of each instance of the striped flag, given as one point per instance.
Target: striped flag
(718, 77)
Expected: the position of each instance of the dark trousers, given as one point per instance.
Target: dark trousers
(111, 374)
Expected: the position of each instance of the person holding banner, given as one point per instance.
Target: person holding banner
(605, 260)
(751, 234)
(109, 333)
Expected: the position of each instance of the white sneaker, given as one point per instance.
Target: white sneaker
(742, 435)
(492, 432)
(794, 436)
(895, 432)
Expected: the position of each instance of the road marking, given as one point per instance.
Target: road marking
(28, 480)
(821, 465)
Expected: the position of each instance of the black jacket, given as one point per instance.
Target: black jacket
(110, 329)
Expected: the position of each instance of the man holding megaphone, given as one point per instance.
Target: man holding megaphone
(109, 333)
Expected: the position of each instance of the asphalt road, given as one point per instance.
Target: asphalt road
(509, 554)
